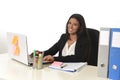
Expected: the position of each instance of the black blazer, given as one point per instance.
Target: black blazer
(81, 49)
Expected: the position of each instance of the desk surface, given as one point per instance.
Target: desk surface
(13, 70)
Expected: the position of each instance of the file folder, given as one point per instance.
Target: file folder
(103, 52)
(114, 61)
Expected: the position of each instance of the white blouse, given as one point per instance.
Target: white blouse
(68, 50)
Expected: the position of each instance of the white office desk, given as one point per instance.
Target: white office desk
(13, 70)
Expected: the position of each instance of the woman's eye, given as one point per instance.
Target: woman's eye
(75, 24)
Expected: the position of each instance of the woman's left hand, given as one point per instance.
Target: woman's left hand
(48, 58)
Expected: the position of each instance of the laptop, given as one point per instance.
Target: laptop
(18, 48)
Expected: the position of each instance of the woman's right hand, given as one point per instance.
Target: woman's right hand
(48, 58)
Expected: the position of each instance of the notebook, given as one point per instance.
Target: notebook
(69, 67)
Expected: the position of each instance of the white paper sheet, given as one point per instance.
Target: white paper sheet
(104, 37)
(116, 39)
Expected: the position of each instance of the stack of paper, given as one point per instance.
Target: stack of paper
(69, 67)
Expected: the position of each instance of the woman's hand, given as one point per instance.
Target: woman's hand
(48, 58)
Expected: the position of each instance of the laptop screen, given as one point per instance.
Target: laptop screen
(17, 47)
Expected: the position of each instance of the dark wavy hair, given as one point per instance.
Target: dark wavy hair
(81, 21)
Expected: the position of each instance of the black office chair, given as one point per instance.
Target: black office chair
(94, 39)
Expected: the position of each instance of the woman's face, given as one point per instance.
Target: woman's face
(73, 26)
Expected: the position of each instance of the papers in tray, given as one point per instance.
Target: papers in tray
(69, 67)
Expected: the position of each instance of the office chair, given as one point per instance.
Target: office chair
(94, 39)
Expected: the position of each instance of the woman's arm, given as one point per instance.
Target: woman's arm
(55, 48)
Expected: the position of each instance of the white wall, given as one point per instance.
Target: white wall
(43, 21)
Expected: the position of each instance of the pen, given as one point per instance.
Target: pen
(64, 65)
(35, 59)
(34, 52)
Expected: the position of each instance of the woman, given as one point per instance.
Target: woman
(73, 46)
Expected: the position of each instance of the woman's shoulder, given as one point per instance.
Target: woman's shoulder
(63, 35)
(83, 34)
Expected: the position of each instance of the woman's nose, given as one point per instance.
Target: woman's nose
(71, 25)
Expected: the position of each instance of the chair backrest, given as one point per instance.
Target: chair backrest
(94, 39)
